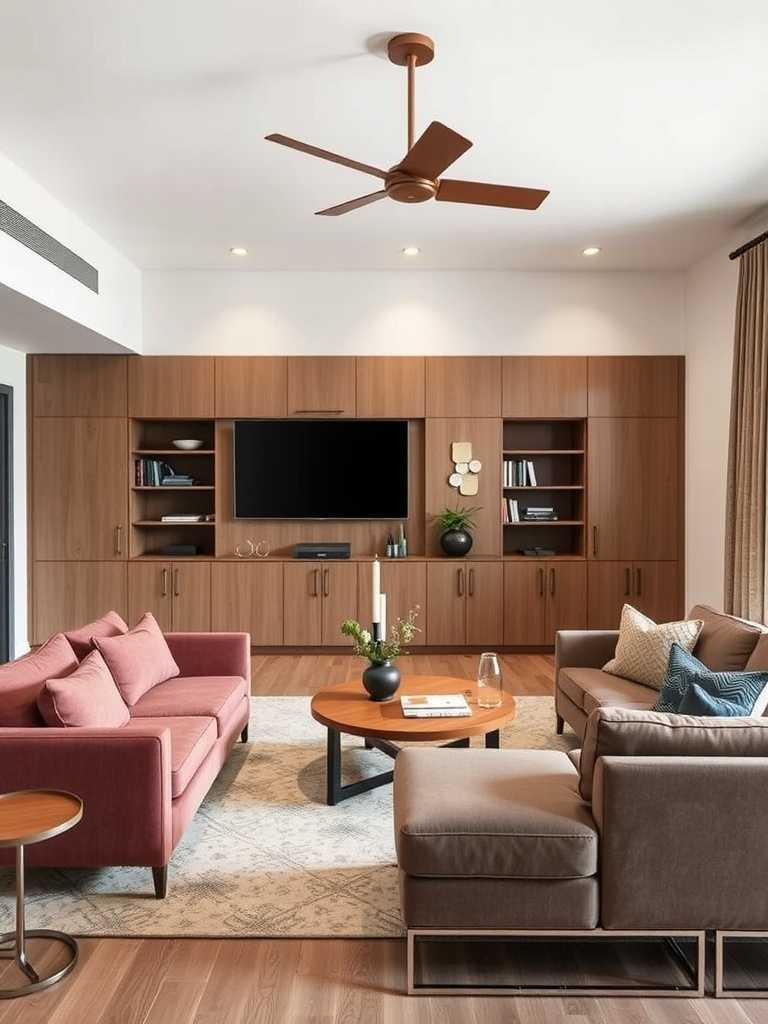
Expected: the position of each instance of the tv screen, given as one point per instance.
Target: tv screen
(321, 469)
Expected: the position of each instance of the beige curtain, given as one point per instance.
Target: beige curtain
(746, 579)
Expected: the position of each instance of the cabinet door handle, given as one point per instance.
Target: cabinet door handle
(594, 542)
(325, 412)
(541, 582)
(326, 582)
(176, 582)
(471, 582)
(460, 579)
(315, 583)
(552, 582)
(164, 578)
(638, 582)
(627, 584)
(118, 540)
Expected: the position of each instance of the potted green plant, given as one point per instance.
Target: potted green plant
(456, 523)
(381, 679)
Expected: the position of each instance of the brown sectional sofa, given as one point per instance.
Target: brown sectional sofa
(634, 835)
(726, 644)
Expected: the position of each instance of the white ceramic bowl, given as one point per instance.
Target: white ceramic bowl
(187, 444)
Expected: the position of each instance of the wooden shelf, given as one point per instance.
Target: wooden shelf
(547, 522)
(544, 558)
(173, 451)
(157, 522)
(172, 558)
(543, 451)
(192, 487)
(547, 487)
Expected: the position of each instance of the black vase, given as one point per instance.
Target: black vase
(456, 543)
(382, 680)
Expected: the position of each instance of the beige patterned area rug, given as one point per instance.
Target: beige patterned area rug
(264, 856)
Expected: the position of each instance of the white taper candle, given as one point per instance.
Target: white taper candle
(375, 589)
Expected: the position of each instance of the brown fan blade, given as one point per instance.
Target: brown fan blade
(434, 152)
(326, 154)
(490, 195)
(353, 204)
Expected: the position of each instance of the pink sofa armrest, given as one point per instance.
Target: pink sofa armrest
(123, 778)
(212, 654)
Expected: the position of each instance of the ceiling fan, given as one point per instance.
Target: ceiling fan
(418, 175)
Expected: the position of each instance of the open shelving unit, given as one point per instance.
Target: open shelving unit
(557, 450)
(152, 439)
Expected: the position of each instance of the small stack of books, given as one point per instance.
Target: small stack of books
(182, 519)
(510, 513)
(450, 705)
(519, 473)
(177, 480)
(150, 472)
(540, 514)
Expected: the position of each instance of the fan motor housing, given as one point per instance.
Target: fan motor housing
(404, 188)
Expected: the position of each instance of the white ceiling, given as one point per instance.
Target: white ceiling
(147, 117)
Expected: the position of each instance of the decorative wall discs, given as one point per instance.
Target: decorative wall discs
(475, 466)
(462, 468)
(461, 451)
(469, 484)
(455, 479)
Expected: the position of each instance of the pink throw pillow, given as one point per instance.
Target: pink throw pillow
(139, 660)
(81, 639)
(88, 698)
(21, 681)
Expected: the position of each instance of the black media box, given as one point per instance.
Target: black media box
(321, 550)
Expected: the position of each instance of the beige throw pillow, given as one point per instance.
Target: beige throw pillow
(643, 647)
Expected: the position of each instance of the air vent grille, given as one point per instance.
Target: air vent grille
(39, 241)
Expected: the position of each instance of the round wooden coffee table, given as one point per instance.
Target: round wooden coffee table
(26, 817)
(347, 708)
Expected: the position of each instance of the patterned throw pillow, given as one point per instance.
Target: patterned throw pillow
(643, 647)
(698, 702)
(749, 690)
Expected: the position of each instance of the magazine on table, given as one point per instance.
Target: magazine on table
(441, 705)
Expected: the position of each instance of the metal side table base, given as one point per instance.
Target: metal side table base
(18, 949)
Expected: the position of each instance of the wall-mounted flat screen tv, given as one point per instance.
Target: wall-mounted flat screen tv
(321, 469)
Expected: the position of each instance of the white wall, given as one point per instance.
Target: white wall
(402, 312)
(710, 306)
(115, 312)
(13, 374)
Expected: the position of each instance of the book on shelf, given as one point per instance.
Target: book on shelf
(177, 480)
(510, 512)
(182, 519)
(453, 705)
(519, 473)
(151, 472)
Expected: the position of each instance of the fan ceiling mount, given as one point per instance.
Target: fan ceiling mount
(418, 176)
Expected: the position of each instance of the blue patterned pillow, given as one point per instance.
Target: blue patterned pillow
(747, 689)
(697, 701)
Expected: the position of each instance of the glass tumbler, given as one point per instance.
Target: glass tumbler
(489, 681)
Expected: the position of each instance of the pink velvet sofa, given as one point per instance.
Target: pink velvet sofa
(140, 784)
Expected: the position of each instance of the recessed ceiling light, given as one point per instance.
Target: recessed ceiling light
(238, 250)
(411, 250)
(591, 250)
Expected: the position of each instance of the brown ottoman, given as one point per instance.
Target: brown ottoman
(494, 839)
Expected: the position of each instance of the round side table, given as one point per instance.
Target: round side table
(30, 816)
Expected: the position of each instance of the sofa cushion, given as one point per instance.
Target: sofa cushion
(81, 640)
(217, 697)
(491, 814)
(22, 680)
(139, 660)
(643, 647)
(696, 701)
(591, 688)
(630, 732)
(758, 659)
(725, 642)
(192, 739)
(86, 698)
(749, 689)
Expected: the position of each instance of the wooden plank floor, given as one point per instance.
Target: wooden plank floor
(333, 981)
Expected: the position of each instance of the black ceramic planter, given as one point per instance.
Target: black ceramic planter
(381, 680)
(456, 542)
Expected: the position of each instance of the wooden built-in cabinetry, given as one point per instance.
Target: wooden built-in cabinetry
(603, 433)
